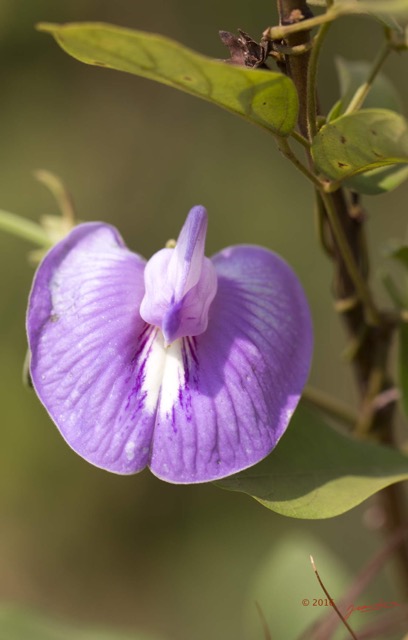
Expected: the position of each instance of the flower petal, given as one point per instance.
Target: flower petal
(181, 283)
(187, 259)
(201, 408)
(89, 347)
(228, 394)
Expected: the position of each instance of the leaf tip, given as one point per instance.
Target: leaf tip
(47, 27)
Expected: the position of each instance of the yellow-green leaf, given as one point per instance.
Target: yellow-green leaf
(266, 98)
(317, 472)
(360, 142)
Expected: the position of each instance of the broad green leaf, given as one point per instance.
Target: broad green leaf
(317, 472)
(20, 624)
(360, 142)
(403, 365)
(353, 73)
(266, 98)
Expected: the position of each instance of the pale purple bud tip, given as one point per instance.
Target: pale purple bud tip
(181, 283)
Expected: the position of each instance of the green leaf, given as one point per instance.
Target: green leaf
(403, 365)
(19, 624)
(353, 73)
(266, 98)
(400, 252)
(360, 142)
(335, 111)
(379, 180)
(317, 472)
(382, 10)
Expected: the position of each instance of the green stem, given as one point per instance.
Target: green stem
(60, 193)
(334, 11)
(311, 80)
(330, 405)
(284, 147)
(360, 95)
(23, 228)
(301, 139)
(319, 215)
(281, 32)
(360, 284)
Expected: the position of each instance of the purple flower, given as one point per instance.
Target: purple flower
(191, 366)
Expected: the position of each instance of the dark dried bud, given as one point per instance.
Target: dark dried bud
(245, 51)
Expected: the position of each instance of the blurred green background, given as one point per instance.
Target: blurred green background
(134, 553)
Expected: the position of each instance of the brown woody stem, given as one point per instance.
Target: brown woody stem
(342, 221)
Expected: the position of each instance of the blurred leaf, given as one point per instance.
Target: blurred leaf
(382, 10)
(380, 180)
(382, 95)
(289, 556)
(360, 142)
(353, 73)
(394, 291)
(266, 98)
(20, 624)
(374, 7)
(24, 228)
(400, 253)
(403, 365)
(317, 472)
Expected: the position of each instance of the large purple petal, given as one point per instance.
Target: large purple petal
(89, 347)
(198, 409)
(228, 394)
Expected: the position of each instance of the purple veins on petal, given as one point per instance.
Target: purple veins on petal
(187, 365)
